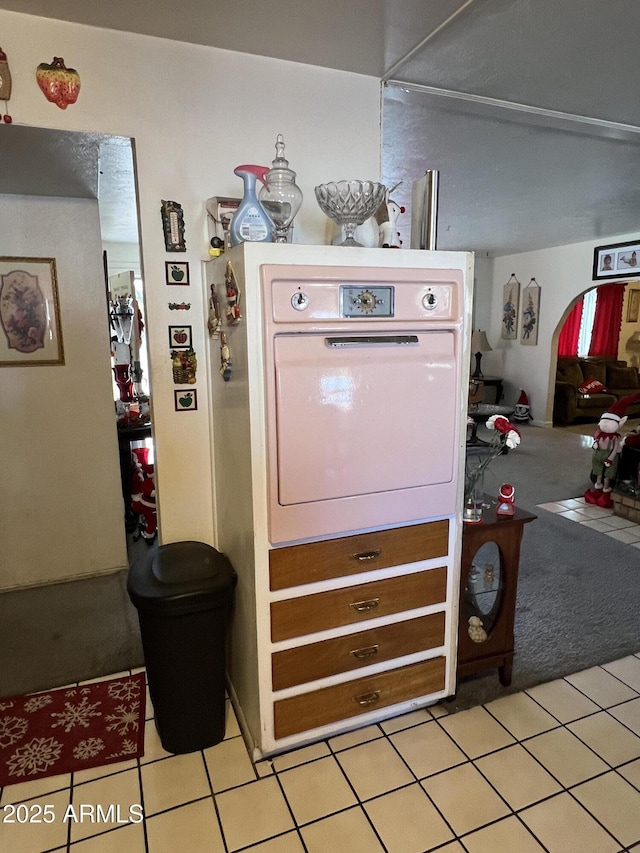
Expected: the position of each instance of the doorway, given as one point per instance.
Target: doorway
(62, 451)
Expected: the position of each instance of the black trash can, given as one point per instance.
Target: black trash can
(183, 593)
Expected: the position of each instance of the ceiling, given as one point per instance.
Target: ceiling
(527, 108)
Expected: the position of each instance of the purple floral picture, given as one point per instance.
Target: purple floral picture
(29, 314)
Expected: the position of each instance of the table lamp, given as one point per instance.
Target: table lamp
(479, 345)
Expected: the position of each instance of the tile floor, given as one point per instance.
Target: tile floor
(555, 768)
(597, 518)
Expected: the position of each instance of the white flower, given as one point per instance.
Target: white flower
(491, 422)
(513, 439)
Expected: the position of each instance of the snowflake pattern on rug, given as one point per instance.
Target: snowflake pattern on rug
(124, 690)
(124, 718)
(88, 748)
(76, 715)
(35, 757)
(70, 729)
(37, 702)
(12, 730)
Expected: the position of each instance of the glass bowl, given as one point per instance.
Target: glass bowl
(350, 203)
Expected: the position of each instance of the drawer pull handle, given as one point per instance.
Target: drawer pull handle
(365, 556)
(362, 606)
(368, 698)
(364, 653)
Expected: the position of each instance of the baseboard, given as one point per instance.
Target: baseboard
(537, 423)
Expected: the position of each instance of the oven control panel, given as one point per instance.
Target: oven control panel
(301, 295)
(359, 301)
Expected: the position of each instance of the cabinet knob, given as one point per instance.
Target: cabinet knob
(366, 652)
(368, 698)
(362, 606)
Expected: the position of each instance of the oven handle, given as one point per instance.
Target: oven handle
(366, 340)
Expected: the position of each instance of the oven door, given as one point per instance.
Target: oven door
(361, 415)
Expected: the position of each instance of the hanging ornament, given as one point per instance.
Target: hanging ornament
(61, 85)
(5, 85)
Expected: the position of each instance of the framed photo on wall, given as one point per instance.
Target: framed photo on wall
(618, 260)
(30, 331)
(530, 313)
(633, 306)
(510, 301)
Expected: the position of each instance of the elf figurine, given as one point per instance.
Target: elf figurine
(607, 444)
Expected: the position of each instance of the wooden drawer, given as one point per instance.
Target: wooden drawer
(342, 701)
(295, 617)
(334, 558)
(342, 654)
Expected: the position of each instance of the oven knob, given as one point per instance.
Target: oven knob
(366, 301)
(300, 301)
(430, 301)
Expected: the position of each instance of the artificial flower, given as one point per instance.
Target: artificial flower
(505, 436)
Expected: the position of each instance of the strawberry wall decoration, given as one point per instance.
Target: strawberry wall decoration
(5, 85)
(61, 85)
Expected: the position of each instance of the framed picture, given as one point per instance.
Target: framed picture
(186, 401)
(510, 300)
(619, 260)
(530, 313)
(173, 225)
(30, 331)
(176, 273)
(180, 337)
(633, 306)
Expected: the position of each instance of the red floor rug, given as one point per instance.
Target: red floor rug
(70, 729)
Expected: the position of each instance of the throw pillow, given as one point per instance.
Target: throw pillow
(623, 377)
(594, 368)
(591, 386)
(569, 371)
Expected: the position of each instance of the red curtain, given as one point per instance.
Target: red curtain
(607, 321)
(568, 340)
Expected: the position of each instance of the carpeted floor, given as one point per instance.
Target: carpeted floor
(578, 599)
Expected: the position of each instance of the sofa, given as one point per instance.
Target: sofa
(616, 377)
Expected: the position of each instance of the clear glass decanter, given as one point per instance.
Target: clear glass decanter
(280, 196)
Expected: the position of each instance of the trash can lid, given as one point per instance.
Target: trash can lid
(186, 573)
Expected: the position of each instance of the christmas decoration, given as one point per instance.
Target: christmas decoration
(523, 410)
(607, 445)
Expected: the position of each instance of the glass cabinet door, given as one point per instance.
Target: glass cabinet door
(483, 592)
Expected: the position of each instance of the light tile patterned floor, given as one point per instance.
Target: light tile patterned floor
(555, 768)
(597, 518)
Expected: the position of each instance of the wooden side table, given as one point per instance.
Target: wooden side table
(494, 382)
(488, 587)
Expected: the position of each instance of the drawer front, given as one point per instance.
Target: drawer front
(343, 654)
(343, 701)
(335, 558)
(295, 617)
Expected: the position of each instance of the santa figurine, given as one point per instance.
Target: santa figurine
(506, 499)
(607, 444)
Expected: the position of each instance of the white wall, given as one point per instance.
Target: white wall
(61, 498)
(563, 273)
(195, 113)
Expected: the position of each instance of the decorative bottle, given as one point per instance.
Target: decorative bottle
(280, 196)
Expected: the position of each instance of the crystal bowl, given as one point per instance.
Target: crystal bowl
(350, 203)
